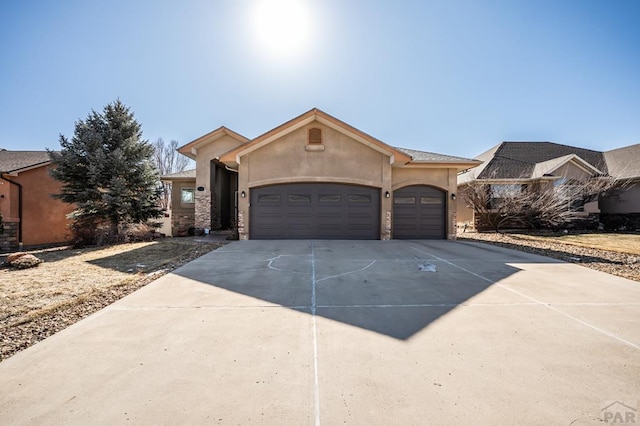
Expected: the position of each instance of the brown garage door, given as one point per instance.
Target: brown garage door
(419, 211)
(315, 210)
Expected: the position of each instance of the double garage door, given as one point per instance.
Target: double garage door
(312, 210)
(339, 211)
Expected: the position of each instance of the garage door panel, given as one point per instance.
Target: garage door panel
(419, 211)
(315, 210)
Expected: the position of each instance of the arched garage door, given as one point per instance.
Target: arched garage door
(314, 210)
(419, 212)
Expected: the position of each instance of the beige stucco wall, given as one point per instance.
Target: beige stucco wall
(445, 179)
(342, 160)
(571, 171)
(623, 202)
(464, 214)
(182, 214)
(207, 153)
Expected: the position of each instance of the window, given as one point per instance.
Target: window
(356, 198)
(334, 198)
(270, 198)
(299, 198)
(502, 191)
(404, 200)
(571, 192)
(187, 195)
(314, 136)
(430, 200)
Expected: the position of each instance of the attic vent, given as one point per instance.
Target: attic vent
(315, 136)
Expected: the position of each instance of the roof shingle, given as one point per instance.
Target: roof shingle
(15, 161)
(185, 174)
(432, 156)
(514, 160)
(624, 163)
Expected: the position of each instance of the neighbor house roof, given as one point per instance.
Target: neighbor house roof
(624, 162)
(17, 161)
(183, 175)
(547, 168)
(515, 160)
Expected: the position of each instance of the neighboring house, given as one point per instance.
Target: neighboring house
(182, 203)
(315, 177)
(31, 215)
(544, 165)
(624, 164)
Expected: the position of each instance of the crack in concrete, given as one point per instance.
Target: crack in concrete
(347, 273)
(273, 259)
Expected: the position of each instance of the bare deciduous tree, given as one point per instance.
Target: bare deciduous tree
(530, 206)
(168, 160)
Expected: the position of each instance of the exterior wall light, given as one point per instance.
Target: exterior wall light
(243, 194)
(387, 194)
(453, 196)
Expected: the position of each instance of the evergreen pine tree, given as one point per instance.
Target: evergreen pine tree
(107, 170)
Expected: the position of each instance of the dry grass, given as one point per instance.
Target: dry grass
(621, 243)
(71, 276)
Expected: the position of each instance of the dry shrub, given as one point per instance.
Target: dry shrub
(137, 232)
(92, 233)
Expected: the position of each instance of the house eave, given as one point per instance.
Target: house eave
(191, 149)
(15, 172)
(176, 179)
(459, 166)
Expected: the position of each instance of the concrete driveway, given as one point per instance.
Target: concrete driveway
(343, 332)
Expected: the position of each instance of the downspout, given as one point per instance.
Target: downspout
(19, 208)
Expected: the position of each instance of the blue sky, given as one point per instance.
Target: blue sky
(454, 77)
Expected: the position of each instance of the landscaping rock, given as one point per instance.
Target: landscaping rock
(25, 261)
(15, 256)
(621, 264)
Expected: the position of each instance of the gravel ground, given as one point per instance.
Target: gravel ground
(620, 264)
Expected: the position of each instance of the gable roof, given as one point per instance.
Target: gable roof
(190, 149)
(547, 168)
(515, 160)
(18, 161)
(233, 157)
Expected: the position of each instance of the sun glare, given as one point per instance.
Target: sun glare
(281, 26)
